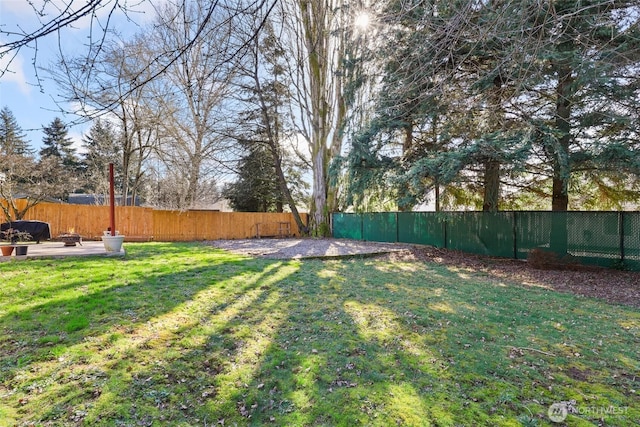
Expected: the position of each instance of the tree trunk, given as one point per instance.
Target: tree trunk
(126, 151)
(491, 186)
(272, 141)
(491, 179)
(323, 102)
(407, 142)
(194, 178)
(319, 214)
(561, 170)
(560, 194)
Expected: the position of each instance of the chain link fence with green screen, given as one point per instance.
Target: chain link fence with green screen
(423, 228)
(600, 238)
(380, 227)
(631, 240)
(481, 233)
(347, 226)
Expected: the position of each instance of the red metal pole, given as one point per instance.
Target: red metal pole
(112, 201)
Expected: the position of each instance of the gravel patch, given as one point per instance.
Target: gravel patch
(617, 287)
(306, 248)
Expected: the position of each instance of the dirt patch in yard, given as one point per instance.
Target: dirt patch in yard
(614, 286)
(619, 287)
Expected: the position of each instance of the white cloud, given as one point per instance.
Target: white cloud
(15, 6)
(14, 73)
(76, 137)
(35, 12)
(28, 16)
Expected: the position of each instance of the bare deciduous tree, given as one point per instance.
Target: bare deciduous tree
(316, 48)
(192, 95)
(266, 125)
(24, 178)
(112, 90)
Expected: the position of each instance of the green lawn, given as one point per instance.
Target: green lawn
(187, 335)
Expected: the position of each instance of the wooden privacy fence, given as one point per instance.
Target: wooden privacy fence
(147, 224)
(207, 225)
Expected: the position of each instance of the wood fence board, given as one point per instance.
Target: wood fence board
(140, 224)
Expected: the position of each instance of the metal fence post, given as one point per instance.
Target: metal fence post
(621, 232)
(515, 235)
(444, 224)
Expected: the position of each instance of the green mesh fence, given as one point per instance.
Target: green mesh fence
(380, 227)
(423, 228)
(631, 240)
(347, 226)
(532, 230)
(481, 233)
(601, 238)
(594, 237)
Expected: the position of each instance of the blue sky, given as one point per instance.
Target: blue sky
(33, 103)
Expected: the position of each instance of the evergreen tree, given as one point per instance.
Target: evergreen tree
(256, 189)
(58, 145)
(584, 93)
(12, 139)
(516, 94)
(440, 108)
(101, 148)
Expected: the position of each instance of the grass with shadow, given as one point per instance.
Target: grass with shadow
(186, 335)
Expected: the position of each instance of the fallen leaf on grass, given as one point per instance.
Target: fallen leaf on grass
(343, 383)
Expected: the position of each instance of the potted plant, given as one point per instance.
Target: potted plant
(112, 241)
(15, 238)
(6, 248)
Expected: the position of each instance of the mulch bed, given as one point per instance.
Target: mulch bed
(614, 286)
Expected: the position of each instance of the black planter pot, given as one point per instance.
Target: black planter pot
(21, 250)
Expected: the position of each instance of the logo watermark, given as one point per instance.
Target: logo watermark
(559, 411)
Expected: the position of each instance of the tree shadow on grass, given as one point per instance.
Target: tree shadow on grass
(454, 352)
(46, 346)
(342, 343)
(204, 361)
(54, 273)
(345, 357)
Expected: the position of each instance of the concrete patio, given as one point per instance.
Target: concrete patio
(59, 250)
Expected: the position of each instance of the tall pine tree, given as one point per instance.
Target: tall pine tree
(13, 141)
(512, 94)
(256, 189)
(584, 94)
(101, 148)
(58, 145)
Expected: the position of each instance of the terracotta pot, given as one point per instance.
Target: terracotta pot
(6, 250)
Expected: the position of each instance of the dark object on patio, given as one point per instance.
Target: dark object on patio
(70, 239)
(39, 230)
(21, 250)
